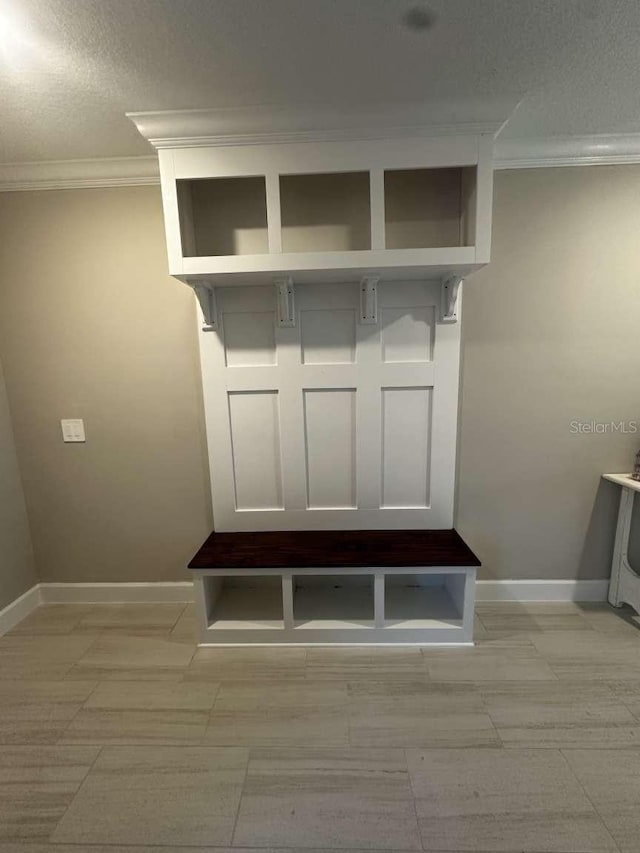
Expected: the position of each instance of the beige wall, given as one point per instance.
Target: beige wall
(17, 570)
(91, 326)
(551, 334)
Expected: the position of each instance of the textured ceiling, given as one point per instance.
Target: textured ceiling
(70, 69)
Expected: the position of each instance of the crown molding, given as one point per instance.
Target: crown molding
(142, 171)
(320, 123)
(344, 135)
(79, 174)
(594, 150)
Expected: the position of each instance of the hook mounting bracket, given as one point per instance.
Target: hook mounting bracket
(369, 300)
(450, 289)
(206, 295)
(285, 296)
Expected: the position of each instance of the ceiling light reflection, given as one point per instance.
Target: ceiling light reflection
(17, 49)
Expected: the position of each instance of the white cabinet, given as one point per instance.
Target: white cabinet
(401, 208)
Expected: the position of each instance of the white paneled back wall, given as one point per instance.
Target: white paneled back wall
(331, 423)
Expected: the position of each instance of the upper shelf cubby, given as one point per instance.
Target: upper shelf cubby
(429, 208)
(325, 212)
(223, 216)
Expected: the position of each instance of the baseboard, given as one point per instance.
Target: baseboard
(542, 590)
(19, 609)
(182, 592)
(116, 593)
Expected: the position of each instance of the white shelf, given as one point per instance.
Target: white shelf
(319, 267)
(239, 214)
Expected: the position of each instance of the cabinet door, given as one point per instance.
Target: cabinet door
(331, 423)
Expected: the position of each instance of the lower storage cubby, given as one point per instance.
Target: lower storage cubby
(415, 601)
(242, 603)
(333, 601)
(426, 606)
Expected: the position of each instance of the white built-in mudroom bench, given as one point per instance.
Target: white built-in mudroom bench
(327, 254)
(347, 586)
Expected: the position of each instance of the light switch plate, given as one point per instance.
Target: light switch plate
(73, 430)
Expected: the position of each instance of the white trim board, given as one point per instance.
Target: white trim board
(595, 150)
(79, 174)
(19, 609)
(542, 590)
(322, 122)
(117, 593)
(182, 591)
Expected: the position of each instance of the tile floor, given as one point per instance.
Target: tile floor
(117, 734)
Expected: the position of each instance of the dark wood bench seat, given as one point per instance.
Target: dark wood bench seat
(334, 549)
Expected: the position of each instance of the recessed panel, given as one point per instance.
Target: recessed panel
(328, 336)
(407, 334)
(406, 427)
(249, 338)
(330, 438)
(255, 441)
